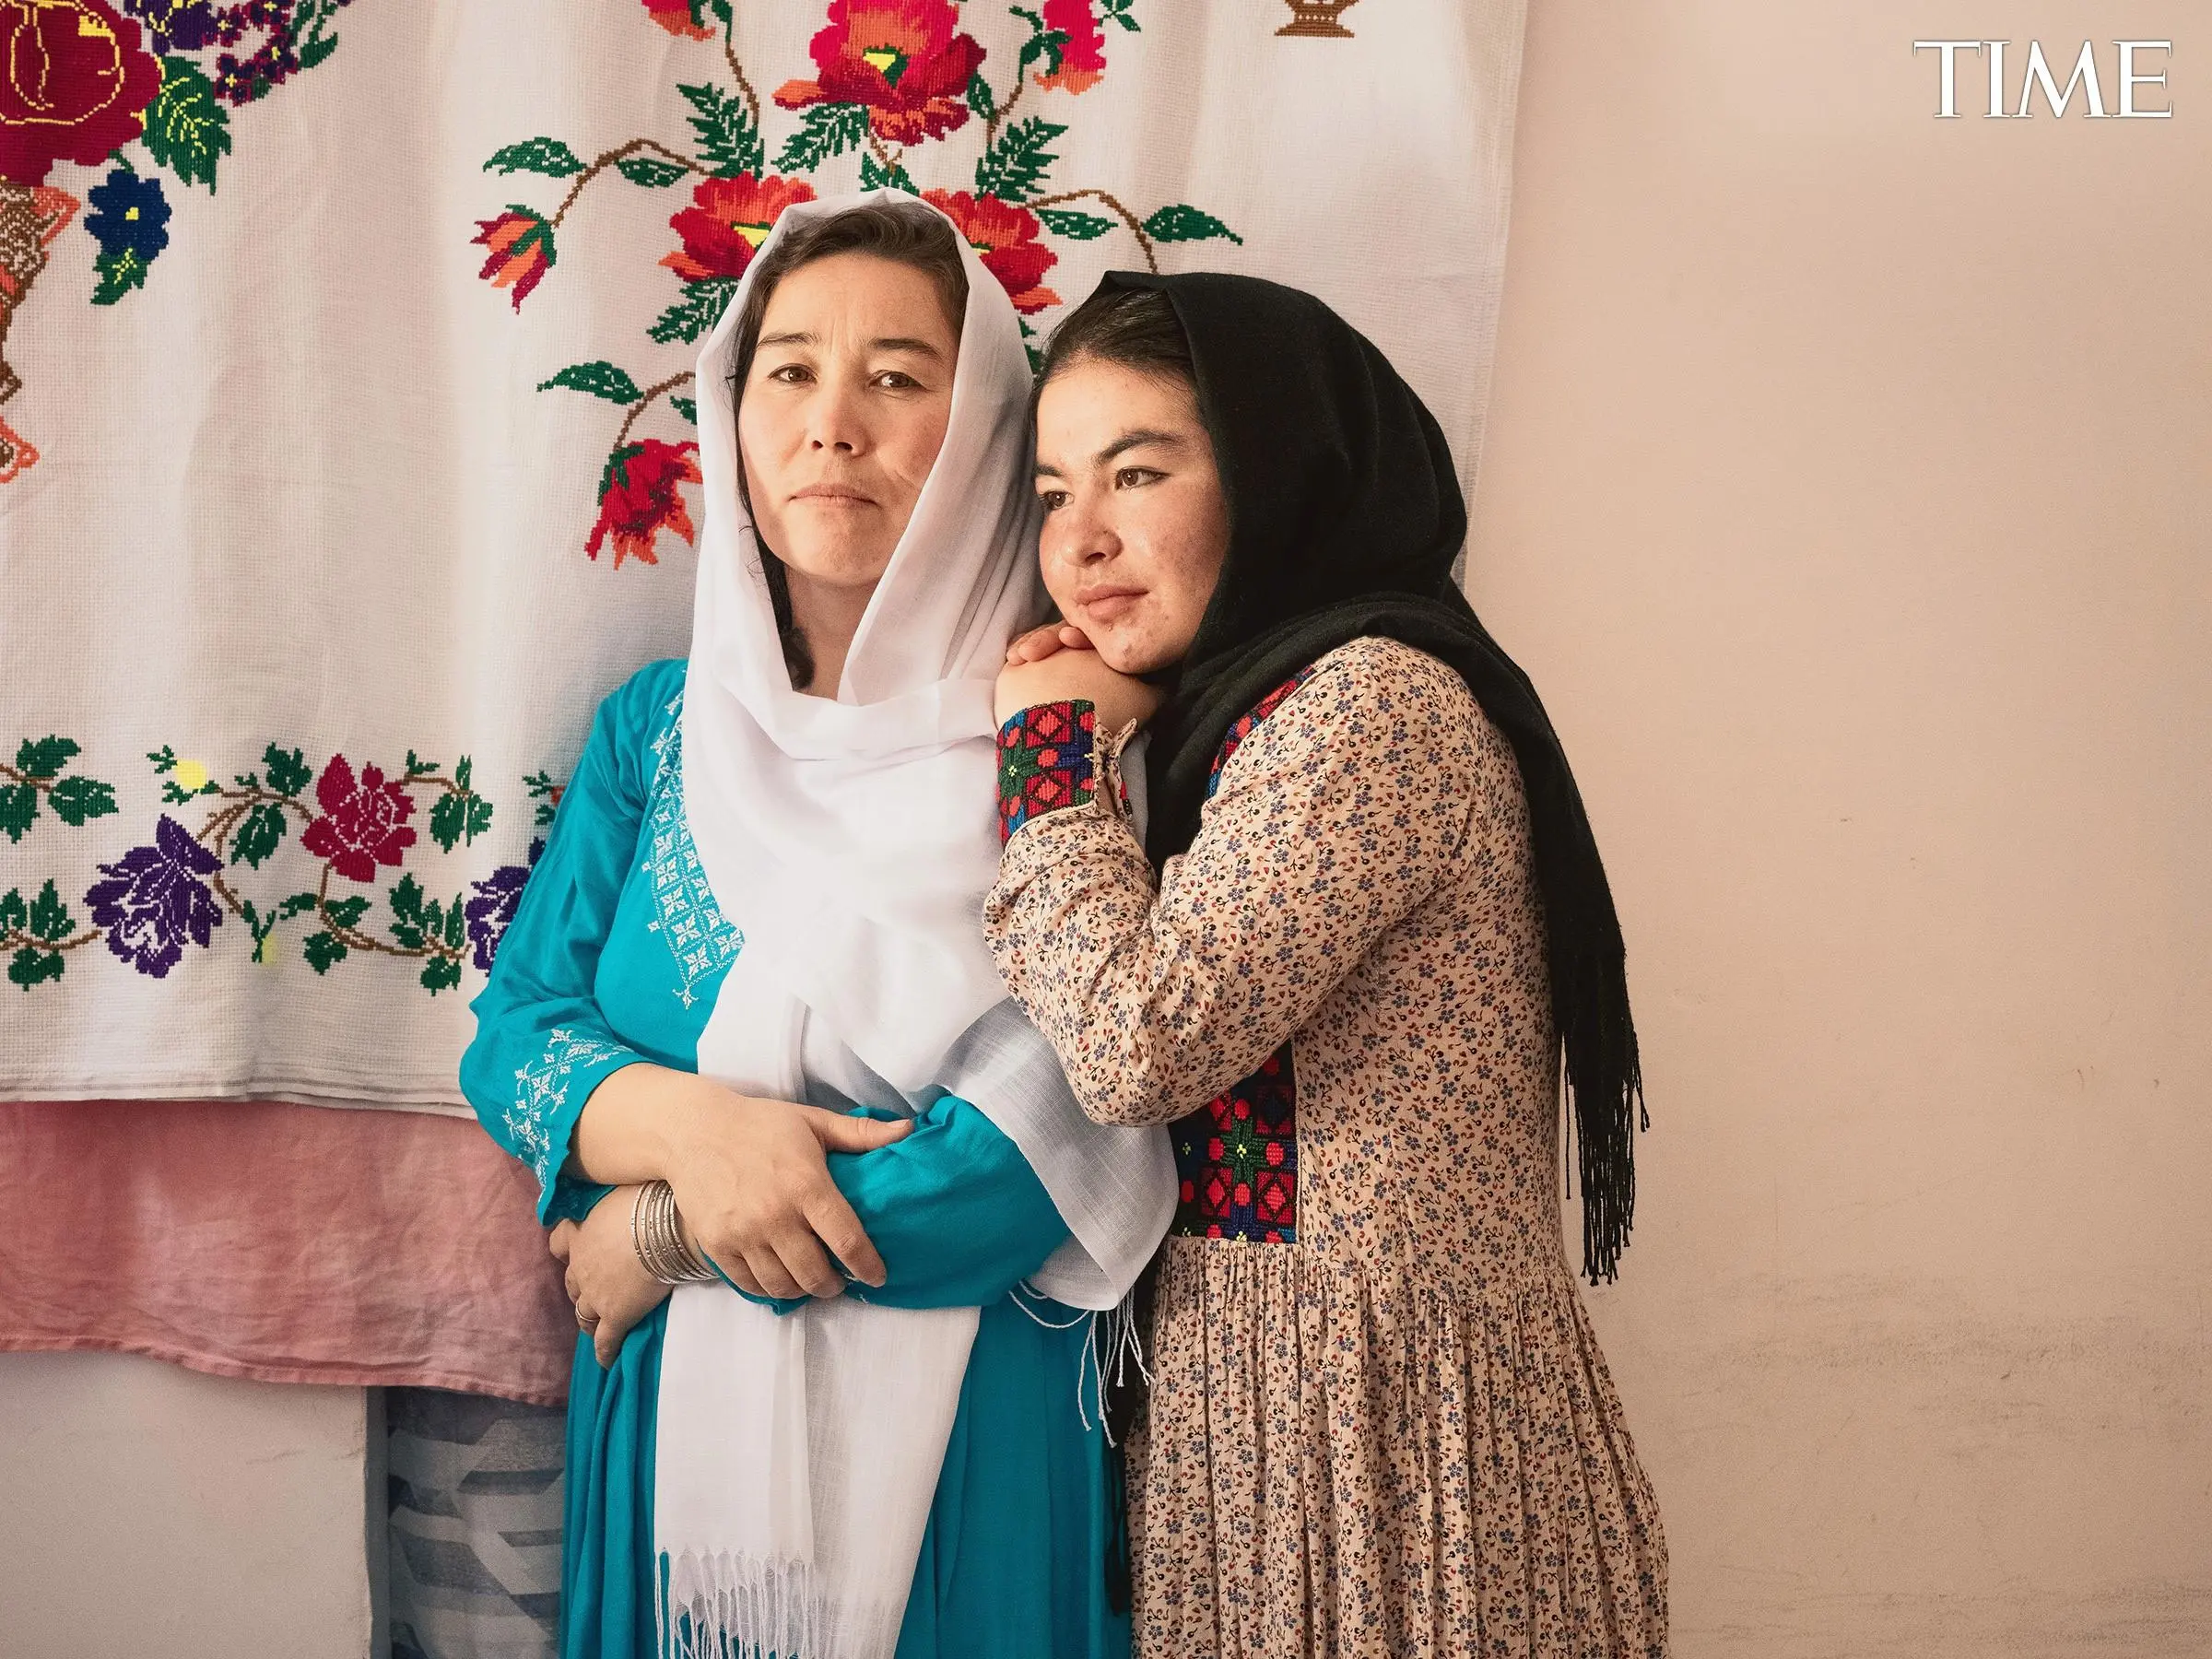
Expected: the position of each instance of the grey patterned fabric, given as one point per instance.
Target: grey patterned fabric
(475, 1493)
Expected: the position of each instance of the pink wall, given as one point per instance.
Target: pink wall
(1849, 493)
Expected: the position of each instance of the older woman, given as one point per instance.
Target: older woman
(1343, 961)
(746, 991)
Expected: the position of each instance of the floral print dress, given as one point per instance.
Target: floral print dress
(1379, 1421)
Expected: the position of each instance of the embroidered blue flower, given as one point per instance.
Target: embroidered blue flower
(494, 905)
(129, 215)
(155, 900)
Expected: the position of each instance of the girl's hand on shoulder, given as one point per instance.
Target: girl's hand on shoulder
(1059, 664)
(606, 1280)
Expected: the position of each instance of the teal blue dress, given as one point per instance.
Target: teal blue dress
(613, 955)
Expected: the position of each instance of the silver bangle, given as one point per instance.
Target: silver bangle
(657, 1234)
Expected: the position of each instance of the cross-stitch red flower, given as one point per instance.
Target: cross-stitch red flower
(1005, 236)
(901, 59)
(726, 223)
(364, 820)
(1083, 56)
(522, 247)
(74, 82)
(680, 17)
(638, 498)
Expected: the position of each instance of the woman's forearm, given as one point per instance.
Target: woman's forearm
(636, 1122)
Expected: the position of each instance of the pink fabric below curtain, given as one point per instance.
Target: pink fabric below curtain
(287, 1243)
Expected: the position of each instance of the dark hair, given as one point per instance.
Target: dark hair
(1137, 328)
(903, 232)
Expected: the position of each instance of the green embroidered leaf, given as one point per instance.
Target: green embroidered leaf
(547, 156)
(299, 904)
(344, 912)
(407, 908)
(1013, 169)
(720, 11)
(314, 17)
(728, 141)
(826, 130)
(447, 816)
(601, 378)
(18, 808)
(48, 916)
(120, 272)
(873, 175)
(456, 924)
(649, 171)
(45, 757)
(322, 950)
(186, 129)
(1075, 227)
(545, 794)
(1177, 222)
(164, 759)
(1044, 43)
(686, 407)
(29, 966)
(416, 766)
(478, 820)
(980, 99)
(441, 973)
(697, 311)
(76, 799)
(13, 916)
(288, 770)
(258, 835)
(1119, 11)
(462, 767)
(433, 919)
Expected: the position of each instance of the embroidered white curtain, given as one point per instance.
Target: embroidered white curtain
(345, 450)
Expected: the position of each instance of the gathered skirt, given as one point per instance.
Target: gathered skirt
(1335, 1463)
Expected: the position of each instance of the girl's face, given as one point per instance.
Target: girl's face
(1135, 525)
(843, 411)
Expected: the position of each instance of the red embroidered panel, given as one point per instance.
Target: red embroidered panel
(1237, 1160)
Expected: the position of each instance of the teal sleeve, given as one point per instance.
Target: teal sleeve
(542, 1045)
(954, 1209)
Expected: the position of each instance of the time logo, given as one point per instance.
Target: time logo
(2130, 72)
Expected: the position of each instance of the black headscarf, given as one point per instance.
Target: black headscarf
(1344, 520)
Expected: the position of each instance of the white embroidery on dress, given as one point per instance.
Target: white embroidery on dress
(684, 913)
(541, 1090)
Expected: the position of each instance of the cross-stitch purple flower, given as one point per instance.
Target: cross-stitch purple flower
(493, 907)
(157, 900)
(177, 25)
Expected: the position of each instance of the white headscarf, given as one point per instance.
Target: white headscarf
(852, 841)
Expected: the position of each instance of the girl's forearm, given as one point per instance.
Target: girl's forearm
(635, 1124)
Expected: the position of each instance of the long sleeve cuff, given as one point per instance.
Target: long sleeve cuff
(1047, 757)
(549, 1095)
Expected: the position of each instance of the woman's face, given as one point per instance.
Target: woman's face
(843, 411)
(1135, 525)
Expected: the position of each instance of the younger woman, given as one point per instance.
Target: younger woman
(1367, 917)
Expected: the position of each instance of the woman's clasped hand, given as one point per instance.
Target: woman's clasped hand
(753, 1193)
